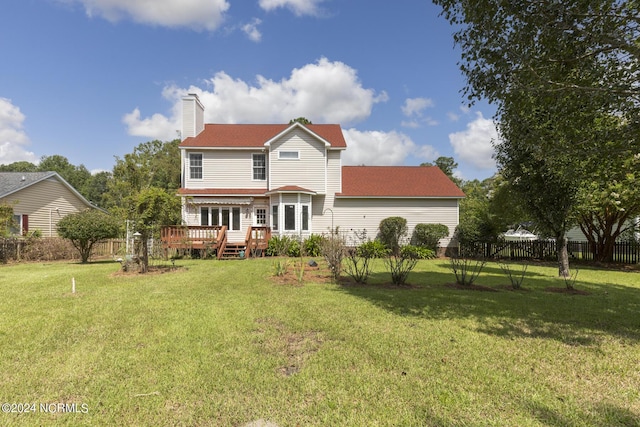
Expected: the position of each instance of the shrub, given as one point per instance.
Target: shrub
(85, 229)
(417, 252)
(400, 267)
(372, 249)
(313, 245)
(516, 278)
(466, 270)
(392, 232)
(429, 235)
(280, 246)
(333, 250)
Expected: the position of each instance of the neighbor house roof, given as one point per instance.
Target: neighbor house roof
(255, 135)
(11, 182)
(397, 181)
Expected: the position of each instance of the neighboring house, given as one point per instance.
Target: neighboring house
(290, 178)
(39, 200)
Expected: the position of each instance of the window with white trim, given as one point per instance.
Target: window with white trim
(274, 217)
(261, 216)
(195, 165)
(289, 217)
(288, 155)
(259, 167)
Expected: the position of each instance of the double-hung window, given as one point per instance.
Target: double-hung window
(259, 167)
(195, 165)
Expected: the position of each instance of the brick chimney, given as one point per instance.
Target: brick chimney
(192, 116)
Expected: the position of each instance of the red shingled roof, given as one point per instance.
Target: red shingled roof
(252, 135)
(397, 181)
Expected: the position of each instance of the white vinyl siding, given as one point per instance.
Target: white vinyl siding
(309, 171)
(45, 202)
(226, 169)
(365, 214)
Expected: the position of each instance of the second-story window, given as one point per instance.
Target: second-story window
(259, 167)
(195, 165)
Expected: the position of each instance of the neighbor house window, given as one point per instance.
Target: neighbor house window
(195, 165)
(274, 217)
(19, 226)
(289, 155)
(289, 217)
(259, 167)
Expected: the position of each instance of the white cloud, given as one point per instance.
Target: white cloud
(195, 14)
(323, 92)
(376, 148)
(13, 138)
(413, 107)
(474, 145)
(298, 7)
(156, 126)
(251, 30)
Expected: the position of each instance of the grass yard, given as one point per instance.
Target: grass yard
(219, 343)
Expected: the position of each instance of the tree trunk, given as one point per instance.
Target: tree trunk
(563, 256)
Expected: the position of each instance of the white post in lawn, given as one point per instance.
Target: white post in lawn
(73, 285)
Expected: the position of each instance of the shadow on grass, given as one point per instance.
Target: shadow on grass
(533, 312)
(601, 414)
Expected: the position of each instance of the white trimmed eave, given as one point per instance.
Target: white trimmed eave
(326, 143)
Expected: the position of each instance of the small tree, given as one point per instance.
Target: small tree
(393, 231)
(7, 222)
(333, 250)
(85, 229)
(429, 235)
(153, 207)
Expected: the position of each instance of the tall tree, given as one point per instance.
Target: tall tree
(21, 166)
(447, 165)
(76, 176)
(150, 209)
(558, 67)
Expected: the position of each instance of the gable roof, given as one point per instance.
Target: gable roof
(254, 135)
(12, 182)
(397, 181)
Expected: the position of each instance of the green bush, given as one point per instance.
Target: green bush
(429, 235)
(392, 231)
(283, 246)
(417, 252)
(372, 249)
(313, 245)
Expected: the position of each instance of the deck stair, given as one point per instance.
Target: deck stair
(234, 251)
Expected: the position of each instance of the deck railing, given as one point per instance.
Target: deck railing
(192, 237)
(257, 240)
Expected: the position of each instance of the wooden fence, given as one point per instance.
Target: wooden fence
(55, 248)
(623, 252)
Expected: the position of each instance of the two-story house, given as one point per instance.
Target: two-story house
(290, 178)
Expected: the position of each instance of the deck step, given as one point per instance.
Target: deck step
(234, 251)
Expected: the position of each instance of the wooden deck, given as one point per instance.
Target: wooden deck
(213, 239)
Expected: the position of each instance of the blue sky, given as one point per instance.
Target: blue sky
(91, 79)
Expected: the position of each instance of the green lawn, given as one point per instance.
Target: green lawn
(219, 343)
